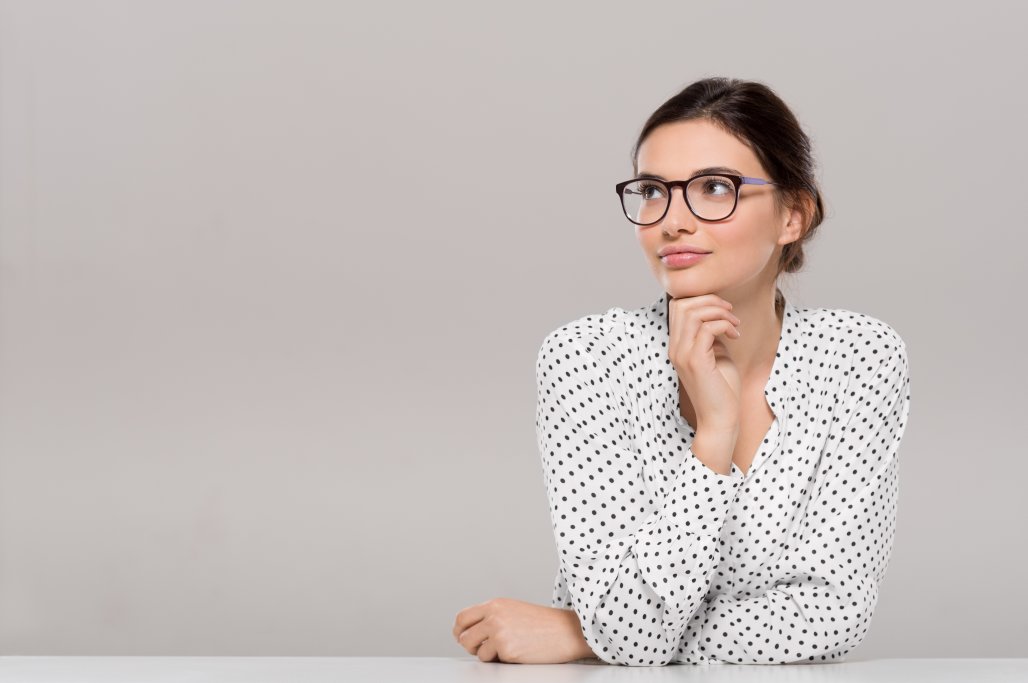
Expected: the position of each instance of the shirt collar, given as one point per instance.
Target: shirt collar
(785, 377)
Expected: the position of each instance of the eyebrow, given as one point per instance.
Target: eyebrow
(701, 171)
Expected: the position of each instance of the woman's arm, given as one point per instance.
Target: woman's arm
(636, 568)
(821, 608)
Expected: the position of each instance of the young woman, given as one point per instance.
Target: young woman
(721, 466)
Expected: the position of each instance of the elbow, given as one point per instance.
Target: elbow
(833, 652)
(844, 635)
(630, 652)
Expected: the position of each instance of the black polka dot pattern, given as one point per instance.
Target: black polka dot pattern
(665, 560)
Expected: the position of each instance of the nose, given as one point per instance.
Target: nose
(678, 214)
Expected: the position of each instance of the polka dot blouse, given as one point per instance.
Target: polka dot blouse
(665, 560)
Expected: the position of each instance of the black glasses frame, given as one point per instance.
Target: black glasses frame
(737, 180)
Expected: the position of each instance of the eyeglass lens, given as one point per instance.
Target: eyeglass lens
(712, 198)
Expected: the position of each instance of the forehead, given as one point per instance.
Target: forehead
(676, 150)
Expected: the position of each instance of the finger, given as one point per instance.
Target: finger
(679, 308)
(706, 312)
(709, 332)
(715, 312)
(468, 617)
(472, 638)
(685, 327)
(702, 300)
(487, 652)
(690, 326)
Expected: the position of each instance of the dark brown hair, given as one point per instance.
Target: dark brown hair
(754, 114)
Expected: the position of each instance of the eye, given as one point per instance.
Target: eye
(644, 190)
(719, 187)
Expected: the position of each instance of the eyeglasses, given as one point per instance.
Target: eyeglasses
(709, 197)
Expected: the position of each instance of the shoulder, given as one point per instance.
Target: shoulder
(852, 339)
(599, 340)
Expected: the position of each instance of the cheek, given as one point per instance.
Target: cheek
(735, 235)
(744, 246)
(649, 240)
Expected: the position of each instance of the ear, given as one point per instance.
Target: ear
(797, 218)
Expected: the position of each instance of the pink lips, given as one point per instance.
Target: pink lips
(682, 258)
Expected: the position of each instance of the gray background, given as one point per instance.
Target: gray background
(273, 276)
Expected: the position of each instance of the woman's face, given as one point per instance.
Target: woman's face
(744, 247)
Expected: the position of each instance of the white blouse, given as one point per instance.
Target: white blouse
(665, 560)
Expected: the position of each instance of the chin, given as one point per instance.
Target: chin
(680, 289)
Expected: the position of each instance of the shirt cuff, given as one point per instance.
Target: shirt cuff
(700, 498)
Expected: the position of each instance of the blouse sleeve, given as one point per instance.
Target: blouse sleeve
(636, 569)
(821, 605)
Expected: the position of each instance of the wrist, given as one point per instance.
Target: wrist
(714, 449)
(718, 429)
(717, 438)
(580, 647)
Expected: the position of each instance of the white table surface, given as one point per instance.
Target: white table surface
(75, 669)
